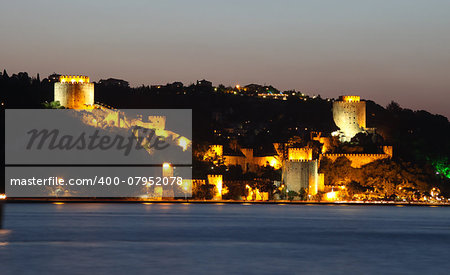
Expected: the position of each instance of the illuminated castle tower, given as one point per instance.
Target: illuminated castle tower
(302, 174)
(349, 114)
(74, 91)
(217, 181)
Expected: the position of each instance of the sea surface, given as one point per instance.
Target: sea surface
(94, 238)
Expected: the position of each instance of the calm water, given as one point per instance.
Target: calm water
(174, 238)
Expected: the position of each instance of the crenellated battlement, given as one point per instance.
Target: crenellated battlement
(358, 160)
(74, 79)
(388, 150)
(350, 98)
(214, 150)
(159, 121)
(346, 103)
(353, 154)
(156, 117)
(215, 177)
(300, 154)
(301, 160)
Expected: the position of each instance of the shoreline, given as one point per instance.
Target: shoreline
(221, 202)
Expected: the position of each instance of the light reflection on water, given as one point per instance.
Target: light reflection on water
(4, 232)
(212, 238)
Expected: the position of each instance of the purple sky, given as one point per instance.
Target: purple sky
(382, 50)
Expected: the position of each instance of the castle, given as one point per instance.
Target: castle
(74, 91)
(349, 114)
(77, 92)
(299, 166)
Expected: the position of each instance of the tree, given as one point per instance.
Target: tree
(236, 189)
(338, 172)
(292, 195)
(52, 105)
(354, 188)
(318, 197)
(204, 192)
(268, 172)
(303, 195)
(393, 107)
(369, 142)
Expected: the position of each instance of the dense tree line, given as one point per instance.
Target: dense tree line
(385, 179)
(418, 137)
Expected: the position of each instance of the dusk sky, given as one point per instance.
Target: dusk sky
(381, 50)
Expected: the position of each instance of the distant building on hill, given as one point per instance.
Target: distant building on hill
(204, 84)
(114, 82)
(54, 77)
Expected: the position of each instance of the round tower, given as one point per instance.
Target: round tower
(74, 91)
(349, 114)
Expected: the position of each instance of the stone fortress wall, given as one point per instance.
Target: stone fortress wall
(359, 160)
